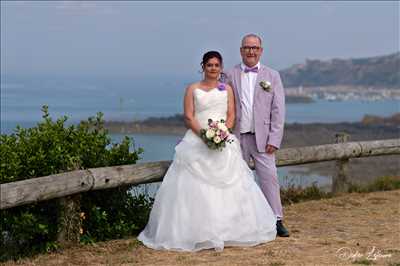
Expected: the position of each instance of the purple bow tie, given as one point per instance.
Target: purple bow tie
(251, 69)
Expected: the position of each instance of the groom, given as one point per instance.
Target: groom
(260, 115)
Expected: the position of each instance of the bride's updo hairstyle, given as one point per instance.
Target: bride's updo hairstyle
(211, 54)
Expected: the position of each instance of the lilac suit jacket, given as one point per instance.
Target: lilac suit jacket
(268, 107)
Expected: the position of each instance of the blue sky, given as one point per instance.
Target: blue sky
(101, 38)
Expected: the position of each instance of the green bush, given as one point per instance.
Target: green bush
(294, 194)
(53, 147)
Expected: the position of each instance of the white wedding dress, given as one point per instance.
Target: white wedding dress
(208, 198)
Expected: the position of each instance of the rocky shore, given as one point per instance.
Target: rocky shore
(296, 134)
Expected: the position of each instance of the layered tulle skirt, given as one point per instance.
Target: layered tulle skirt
(208, 199)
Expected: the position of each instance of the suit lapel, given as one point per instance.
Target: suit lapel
(238, 74)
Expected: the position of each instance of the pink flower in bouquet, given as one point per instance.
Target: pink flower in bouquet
(223, 135)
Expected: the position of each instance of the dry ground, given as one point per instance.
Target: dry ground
(353, 229)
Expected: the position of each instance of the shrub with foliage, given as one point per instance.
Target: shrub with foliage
(53, 147)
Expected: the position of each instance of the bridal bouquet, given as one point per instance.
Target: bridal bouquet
(216, 135)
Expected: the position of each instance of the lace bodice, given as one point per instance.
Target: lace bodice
(210, 104)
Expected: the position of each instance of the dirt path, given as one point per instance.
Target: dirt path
(353, 229)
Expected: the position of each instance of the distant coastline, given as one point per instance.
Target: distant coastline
(297, 135)
(293, 99)
(341, 93)
(174, 125)
(378, 71)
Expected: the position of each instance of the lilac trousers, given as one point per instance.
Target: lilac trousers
(265, 170)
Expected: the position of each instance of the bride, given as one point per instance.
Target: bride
(208, 198)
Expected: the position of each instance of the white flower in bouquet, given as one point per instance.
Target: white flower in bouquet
(217, 139)
(222, 126)
(210, 133)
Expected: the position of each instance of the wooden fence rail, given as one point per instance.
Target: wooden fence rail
(61, 185)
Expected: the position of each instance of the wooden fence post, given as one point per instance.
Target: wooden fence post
(340, 182)
(69, 220)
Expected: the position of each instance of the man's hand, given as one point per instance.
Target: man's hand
(270, 149)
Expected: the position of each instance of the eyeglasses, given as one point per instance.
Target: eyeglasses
(248, 48)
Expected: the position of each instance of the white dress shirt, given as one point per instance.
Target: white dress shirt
(247, 98)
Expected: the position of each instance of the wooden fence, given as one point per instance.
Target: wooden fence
(67, 186)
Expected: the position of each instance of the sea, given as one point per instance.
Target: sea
(131, 99)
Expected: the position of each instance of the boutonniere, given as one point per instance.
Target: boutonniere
(266, 85)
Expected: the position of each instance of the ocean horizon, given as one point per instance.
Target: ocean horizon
(138, 99)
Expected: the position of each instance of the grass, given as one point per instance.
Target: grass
(316, 221)
(381, 184)
(134, 243)
(363, 262)
(295, 194)
(277, 263)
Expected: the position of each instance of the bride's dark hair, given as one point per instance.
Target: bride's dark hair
(211, 54)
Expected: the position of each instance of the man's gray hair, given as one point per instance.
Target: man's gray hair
(252, 35)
